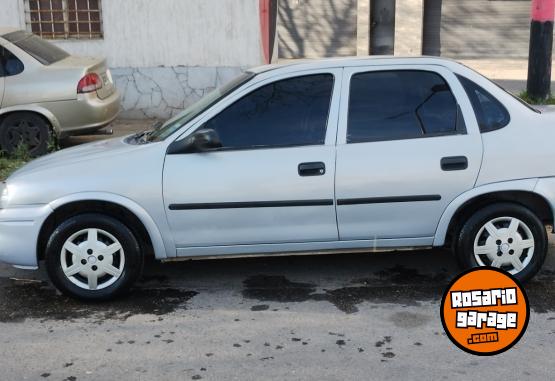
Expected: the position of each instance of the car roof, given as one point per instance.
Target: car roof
(301, 64)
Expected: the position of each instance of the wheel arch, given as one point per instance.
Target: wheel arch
(520, 192)
(44, 113)
(127, 211)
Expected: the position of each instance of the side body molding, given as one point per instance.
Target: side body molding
(161, 250)
(515, 185)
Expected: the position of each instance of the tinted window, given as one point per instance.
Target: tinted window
(405, 104)
(43, 51)
(490, 113)
(9, 64)
(191, 112)
(284, 113)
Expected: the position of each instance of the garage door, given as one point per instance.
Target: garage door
(317, 28)
(477, 28)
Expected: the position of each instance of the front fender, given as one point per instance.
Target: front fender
(527, 185)
(162, 249)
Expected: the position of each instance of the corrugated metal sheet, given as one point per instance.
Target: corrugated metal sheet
(477, 28)
(317, 28)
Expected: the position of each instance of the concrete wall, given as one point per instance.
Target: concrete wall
(165, 54)
(409, 18)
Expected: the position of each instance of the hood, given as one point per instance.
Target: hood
(83, 153)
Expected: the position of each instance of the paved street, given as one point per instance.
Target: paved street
(350, 316)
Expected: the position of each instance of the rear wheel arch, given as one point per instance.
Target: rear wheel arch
(535, 202)
(108, 208)
(44, 114)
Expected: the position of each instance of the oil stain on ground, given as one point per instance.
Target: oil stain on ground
(397, 285)
(38, 300)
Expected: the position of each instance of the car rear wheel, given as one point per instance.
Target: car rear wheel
(93, 257)
(506, 236)
(24, 128)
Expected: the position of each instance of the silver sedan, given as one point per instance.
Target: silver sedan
(324, 156)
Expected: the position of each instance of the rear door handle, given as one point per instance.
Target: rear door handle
(312, 169)
(454, 163)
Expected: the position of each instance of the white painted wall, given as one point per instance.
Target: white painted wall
(150, 33)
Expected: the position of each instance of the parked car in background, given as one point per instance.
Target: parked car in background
(45, 90)
(323, 156)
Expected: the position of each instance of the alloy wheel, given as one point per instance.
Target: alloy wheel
(506, 243)
(92, 259)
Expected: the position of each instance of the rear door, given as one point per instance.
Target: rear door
(405, 151)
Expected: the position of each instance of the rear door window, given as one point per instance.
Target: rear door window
(401, 104)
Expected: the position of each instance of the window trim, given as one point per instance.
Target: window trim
(461, 79)
(460, 124)
(258, 87)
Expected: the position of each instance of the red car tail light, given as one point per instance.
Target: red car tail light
(90, 82)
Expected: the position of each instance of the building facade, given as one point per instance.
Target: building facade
(166, 54)
(461, 29)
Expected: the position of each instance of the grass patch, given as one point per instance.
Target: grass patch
(11, 162)
(535, 101)
(8, 166)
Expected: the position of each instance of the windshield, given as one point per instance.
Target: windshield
(197, 108)
(41, 50)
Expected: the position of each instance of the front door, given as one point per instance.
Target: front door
(405, 151)
(272, 181)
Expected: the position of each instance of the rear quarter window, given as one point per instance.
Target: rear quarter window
(490, 113)
(9, 64)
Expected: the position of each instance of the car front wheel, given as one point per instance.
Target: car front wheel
(93, 257)
(505, 235)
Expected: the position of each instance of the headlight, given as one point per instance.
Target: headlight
(3, 195)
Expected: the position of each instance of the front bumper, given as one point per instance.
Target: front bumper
(19, 231)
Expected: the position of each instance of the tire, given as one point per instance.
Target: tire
(518, 244)
(84, 247)
(25, 128)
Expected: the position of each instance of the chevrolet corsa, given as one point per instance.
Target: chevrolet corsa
(333, 155)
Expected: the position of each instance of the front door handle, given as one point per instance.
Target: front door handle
(454, 163)
(312, 169)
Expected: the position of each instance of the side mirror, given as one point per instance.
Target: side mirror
(202, 140)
